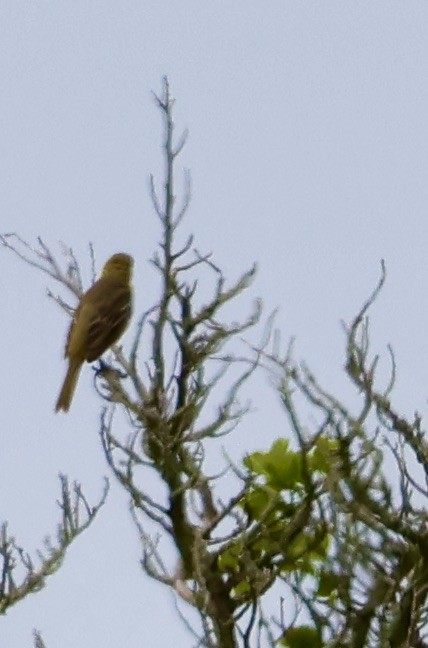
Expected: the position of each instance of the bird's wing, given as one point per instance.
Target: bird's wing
(108, 321)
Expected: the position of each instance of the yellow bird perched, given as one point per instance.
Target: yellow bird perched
(100, 318)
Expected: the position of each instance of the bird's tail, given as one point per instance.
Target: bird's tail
(66, 395)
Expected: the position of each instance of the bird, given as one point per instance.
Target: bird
(99, 320)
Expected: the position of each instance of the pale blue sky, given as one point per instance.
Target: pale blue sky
(309, 153)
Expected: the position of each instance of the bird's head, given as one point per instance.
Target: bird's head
(120, 266)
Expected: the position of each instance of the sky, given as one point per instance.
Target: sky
(308, 151)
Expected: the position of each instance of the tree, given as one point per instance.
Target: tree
(314, 519)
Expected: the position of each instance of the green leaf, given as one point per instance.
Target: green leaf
(301, 637)
(242, 588)
(321, 548)
(321, 458)
(298, 547)
(327, 583)
(281, 466)
(229, 559)
(258, 500)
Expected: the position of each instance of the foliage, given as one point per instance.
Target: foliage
(369, 587)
